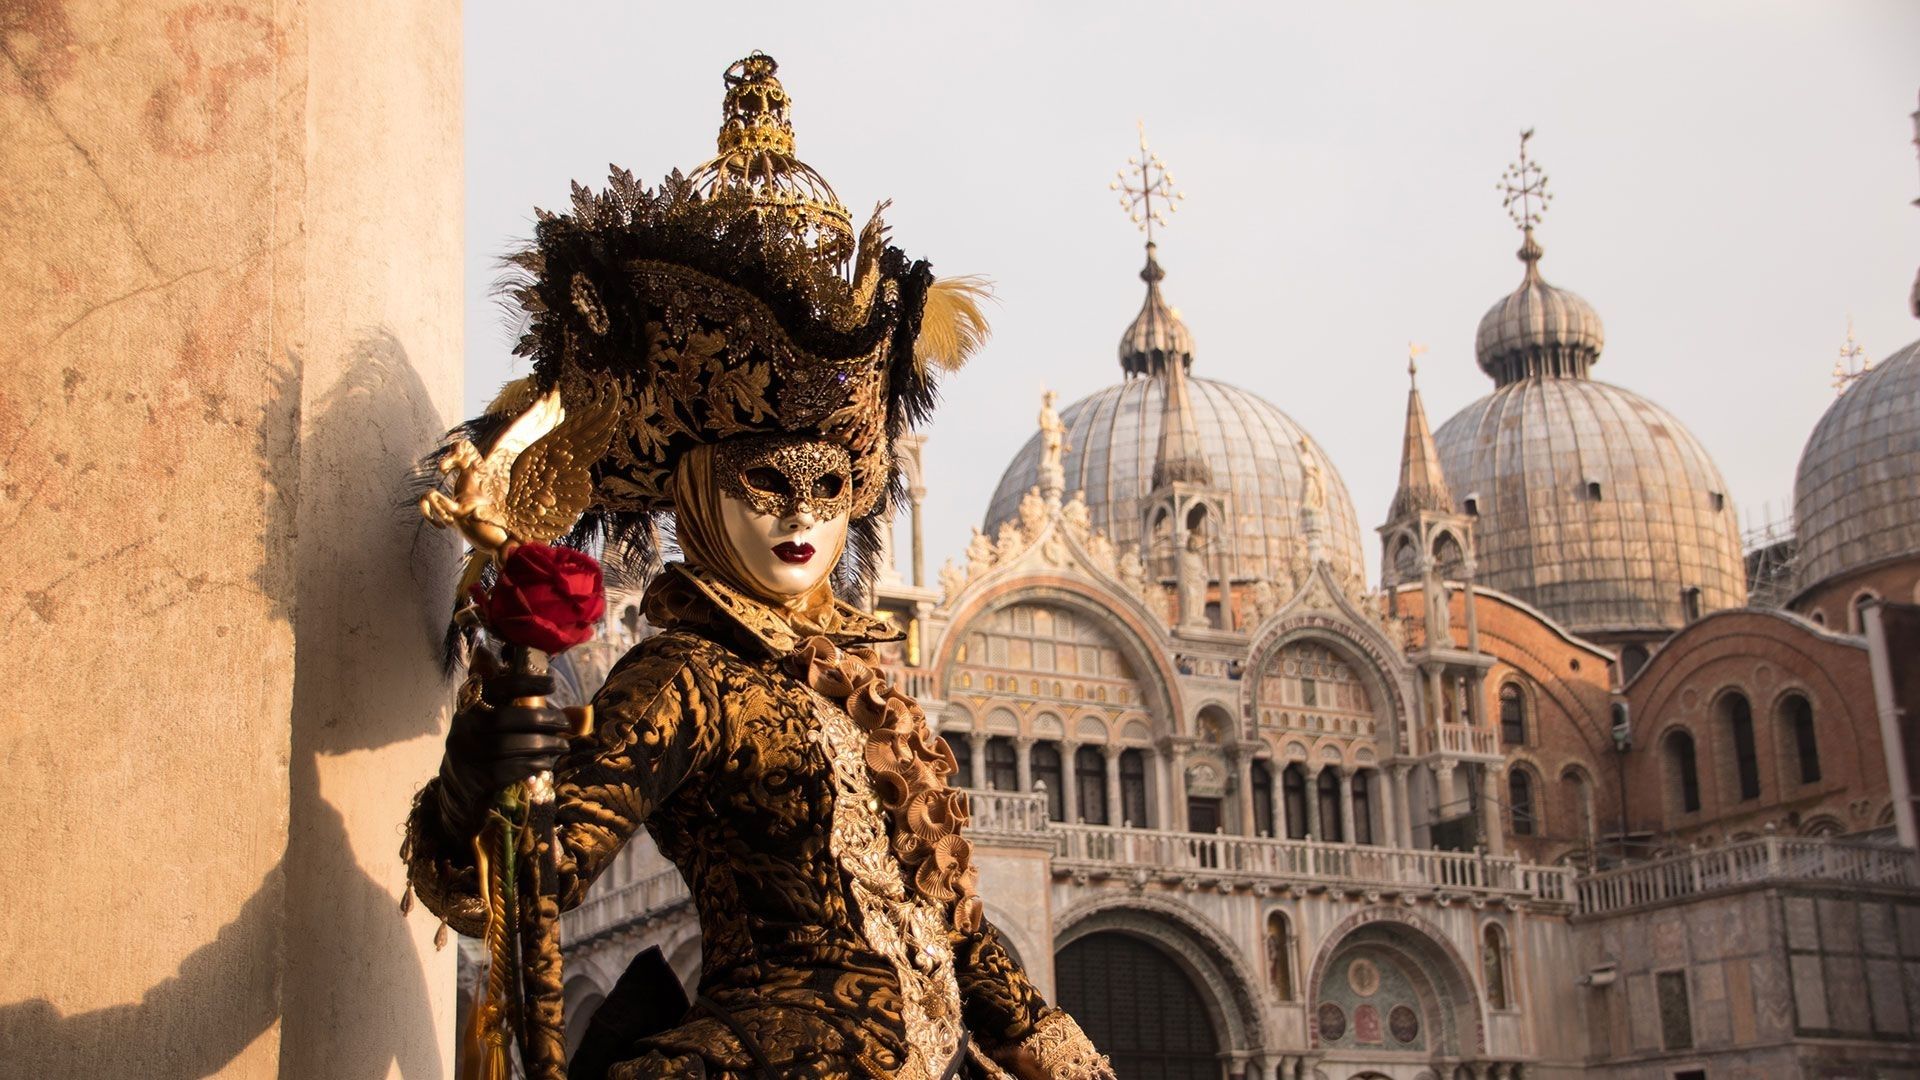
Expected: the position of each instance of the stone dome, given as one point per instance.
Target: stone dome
(1856, 495)
(1253, 450)
(1593, 504)
(1538, 328)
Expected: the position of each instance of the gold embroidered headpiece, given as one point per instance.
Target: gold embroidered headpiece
(731, 303)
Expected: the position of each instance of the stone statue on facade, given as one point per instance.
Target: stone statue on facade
(1053, 447)
(979, 554)
(1193, 580)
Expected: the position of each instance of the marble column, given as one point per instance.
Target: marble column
(1443, 787)
(1115, 812)
(1313, 802)
(1023, 757)
(1493, 792)
(1243, 768)
(1177, 788)
(1347, 833)
(1279, 794)
(1069, 782)
(1402, 806)
(978, 740)
(1473, 619)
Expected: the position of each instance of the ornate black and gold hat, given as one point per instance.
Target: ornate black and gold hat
(733, 302)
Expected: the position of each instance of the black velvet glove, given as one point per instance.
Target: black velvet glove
(494, 743)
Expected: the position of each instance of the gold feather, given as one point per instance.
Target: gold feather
(551, 483)
(953, 327)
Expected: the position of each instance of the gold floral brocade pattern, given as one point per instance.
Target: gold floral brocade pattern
(828, 951)
(909, 931)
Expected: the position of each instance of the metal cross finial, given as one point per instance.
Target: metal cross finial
(1146, 188)
(1852, 362)
(1524, 185)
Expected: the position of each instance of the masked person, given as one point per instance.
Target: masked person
(729, 354)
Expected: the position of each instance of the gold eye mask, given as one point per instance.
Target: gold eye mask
(783, 474)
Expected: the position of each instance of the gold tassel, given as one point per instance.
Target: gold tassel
(483, 1045)
(953, 327)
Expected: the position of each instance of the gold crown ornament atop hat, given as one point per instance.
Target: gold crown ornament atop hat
(734, 302)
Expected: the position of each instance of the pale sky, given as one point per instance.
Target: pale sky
(1732, 181)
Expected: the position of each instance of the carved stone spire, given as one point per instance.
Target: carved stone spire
(1180, 458)
(1423, 486)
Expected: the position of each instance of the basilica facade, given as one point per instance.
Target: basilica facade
(1552, 797)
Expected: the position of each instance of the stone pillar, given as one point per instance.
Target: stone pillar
(916, 497)
(1279, 794)
(1437, 697)
(1116, 813)
(1493, 794)
(1347, 833)
(234, 269)
(1389, 831)
(1177, 788)
(1477, 699)
(1401, 815)
(1023, 758)
(978, 740)
(1069, 782)
(1313, 802)
(1443, 786)
(1473, 620)
(1243, 770)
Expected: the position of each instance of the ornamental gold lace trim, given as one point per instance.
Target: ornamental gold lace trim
(909, 931)
(1064, 1051)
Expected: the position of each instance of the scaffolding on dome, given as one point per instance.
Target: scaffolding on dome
(1772, 556)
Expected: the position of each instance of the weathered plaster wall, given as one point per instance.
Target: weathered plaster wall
(231, 260)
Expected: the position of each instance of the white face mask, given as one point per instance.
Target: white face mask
(786, 554)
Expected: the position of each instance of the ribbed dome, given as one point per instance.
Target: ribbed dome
(1252, 446)
(1538, 329)
(1156, 334)
(1856, 496)
(1593, 504)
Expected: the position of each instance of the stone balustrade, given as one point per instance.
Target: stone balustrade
(1464, 739)
(1765, 860)
(620, 907)
(1005, 818)
(1101, 849)
(917, 683)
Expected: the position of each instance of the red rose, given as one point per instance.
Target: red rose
(547, 598)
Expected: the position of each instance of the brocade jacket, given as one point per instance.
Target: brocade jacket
(819, 956)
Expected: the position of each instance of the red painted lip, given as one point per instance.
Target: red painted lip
(792, 552)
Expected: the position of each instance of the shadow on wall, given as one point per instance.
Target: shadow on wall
(367, 624)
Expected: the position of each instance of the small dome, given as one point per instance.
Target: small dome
(1856, 495)
(1538, 329)
(1593, 504)
(1253, 448)
(1156, 334)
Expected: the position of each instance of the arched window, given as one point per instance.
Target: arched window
(1797, 714)
(1262, 799)
(1046, 771)
(1632, 659)
(1362, 807)
(1520, 802)
(1580, 790)
(1746, 752)
(962, 757)
(1280, 955)
(1493, 966)
(1293, 790)
(1329, 808)
(1003, 764)
(1133, 788)
(1090, 781)
(1513, 715)
(1857, 612)
(1686, 773)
